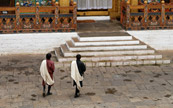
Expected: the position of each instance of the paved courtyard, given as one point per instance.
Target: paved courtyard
(104, 87)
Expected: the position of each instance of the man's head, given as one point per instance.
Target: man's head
(48, 56)
(78, 56)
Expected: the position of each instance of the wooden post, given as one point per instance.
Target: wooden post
(53, 2)
(71, 2)
(37, 15)
(128, 14)
(75, 15)
(145, 14)
(64, 3)
(17, 16)
(163, 13)
(56, 14)
(134, 3)
(115, 11)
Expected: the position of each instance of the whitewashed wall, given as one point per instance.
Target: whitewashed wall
(37, 43)
(41, 43)
(158, 39)
(96, 18)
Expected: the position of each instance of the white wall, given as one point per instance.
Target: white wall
(158, 39)
(41, 43)
(96, 18)
(37, 43)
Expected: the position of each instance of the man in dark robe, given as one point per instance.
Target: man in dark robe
(77, 72)
(47, 69)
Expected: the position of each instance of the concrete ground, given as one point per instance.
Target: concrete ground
(99, 26)
(146, 86)
(104, 87)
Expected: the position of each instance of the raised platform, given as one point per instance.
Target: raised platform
(108, 51)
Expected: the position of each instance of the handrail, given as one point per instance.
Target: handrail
(147, 16)
(38, 19)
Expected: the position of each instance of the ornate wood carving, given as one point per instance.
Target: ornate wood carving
(149, 16)
(39, 19)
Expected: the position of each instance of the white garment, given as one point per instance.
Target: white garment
(94, 4)
(75, 74)
(45, 74)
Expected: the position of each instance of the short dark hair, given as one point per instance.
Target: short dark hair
(48, 56)
(78, 56)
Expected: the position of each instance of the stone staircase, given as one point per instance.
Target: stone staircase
(105, 50)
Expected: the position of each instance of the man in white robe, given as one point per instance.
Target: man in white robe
(77, 72)
(46, 70)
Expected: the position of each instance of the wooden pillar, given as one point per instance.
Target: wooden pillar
(128, 15)
(37, 15)
(115, 11)
(53, 2)
(64, 3)
(56, 13)
(145, 24)
(17, 16)
(163, 13)
(134, 3)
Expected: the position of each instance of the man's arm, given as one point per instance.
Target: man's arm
(53, 67)
(83, 67)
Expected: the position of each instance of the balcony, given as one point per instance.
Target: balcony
(53, 18)
(147, 16)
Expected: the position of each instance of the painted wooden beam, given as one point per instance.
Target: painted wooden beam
(93, 13)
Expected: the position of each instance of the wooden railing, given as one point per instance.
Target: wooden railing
(147, 16)
(38, 19)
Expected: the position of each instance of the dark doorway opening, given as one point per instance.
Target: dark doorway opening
(4, 3)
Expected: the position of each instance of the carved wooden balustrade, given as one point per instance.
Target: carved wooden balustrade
(38, 19)
(147, 16)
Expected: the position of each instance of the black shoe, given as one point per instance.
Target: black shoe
(78, 94)
(44, 95)
(49, 93)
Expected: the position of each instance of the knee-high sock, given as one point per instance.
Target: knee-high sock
(77, 91)
(49, 88)
(44, 88)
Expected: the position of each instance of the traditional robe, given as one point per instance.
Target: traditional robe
(77, 71)
(46, 70)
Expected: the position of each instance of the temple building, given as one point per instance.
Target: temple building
(61, 15)
(85, 7)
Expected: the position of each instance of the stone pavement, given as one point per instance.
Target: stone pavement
(104, 87)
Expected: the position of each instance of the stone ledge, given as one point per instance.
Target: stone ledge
(118, 63)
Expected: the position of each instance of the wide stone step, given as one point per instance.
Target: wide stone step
(71, 47)
(117, 63)
(112, 58)
(105, 38)
(107, 51)
(60, 57)
(76, 42)
(102, 34)
(68, 53)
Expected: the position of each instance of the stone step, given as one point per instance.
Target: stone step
(101, 34)
(108, 51)
(76, 42)
(67, 53)
(105, 38)
(71, 47)
(60, 57)
(112, 58)
(117, 63)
